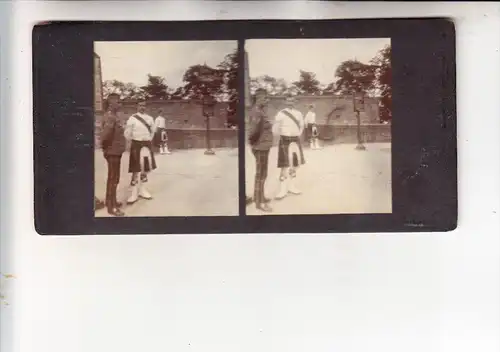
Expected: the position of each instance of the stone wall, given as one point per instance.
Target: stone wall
(196, 138)
(186, 124)
(181, 113)
(183, 118)
(325, 104)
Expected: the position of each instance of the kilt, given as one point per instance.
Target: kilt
(135, 157)
(157, 141)
(283, 152)
(309, 131)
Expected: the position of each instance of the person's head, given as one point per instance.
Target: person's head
(261, 97)
(141, 106)
(160, 112)
(113, 102)
(290, 101)
(310, 107)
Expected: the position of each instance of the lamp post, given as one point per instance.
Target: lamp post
(358, 99)
(208, 76)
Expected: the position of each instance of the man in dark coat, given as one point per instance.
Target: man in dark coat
(261, 141)
(113, 147)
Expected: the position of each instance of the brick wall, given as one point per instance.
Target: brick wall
(196, 138)
(181, 113)
(342, 127)
(184, 118)
(325, 104)
(186, 125)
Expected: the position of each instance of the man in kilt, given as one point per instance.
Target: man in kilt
(311, 128)
(140, 130)
(289, 125)
(161, 137)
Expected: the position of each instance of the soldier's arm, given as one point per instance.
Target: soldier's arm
(253, 126)
(107, 128)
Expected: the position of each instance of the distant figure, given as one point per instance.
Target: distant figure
(289, 126)
(140, 130)
(261, 141)
(161, 137)
(113, 146)
(311, 128)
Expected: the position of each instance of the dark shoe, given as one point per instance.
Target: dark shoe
(249, 200)
(118, 204)
(115, 212)
(264, 207)
(267, 200)
(98, 204)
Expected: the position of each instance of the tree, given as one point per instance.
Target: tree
(348, 80)
(194, 87)
(228, 90)
(125, 90)
(112, 86)
(273, 86)
(329, 89)
(307, 84)
(383, 82)
(156, 88)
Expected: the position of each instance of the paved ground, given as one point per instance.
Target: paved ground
(335, 180)
(186, 183)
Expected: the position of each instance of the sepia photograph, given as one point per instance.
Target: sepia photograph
(318, 126)
(166, 131)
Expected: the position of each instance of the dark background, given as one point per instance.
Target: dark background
(424, 157)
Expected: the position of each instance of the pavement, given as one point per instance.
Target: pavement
(185, 183)
(337, 179)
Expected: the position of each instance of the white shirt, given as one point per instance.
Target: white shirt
(310, 118)
(160, 122)
(285, 126)
(135, 129)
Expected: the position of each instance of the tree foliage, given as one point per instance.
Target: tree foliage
(383, 81)
(125, 90)
(273, 86)
(228, 89)
(307, 84)
(156, 88)
(194, 87)
(353, 75)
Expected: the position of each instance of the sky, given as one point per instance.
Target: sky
(132, 61)
(283, 58)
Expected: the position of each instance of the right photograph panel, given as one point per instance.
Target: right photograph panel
(318, 126)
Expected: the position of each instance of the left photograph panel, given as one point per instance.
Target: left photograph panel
(166, 128)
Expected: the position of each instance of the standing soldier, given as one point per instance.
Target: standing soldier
(289, 126)
(161, 136)
(261, 141)
(113, 146)
(140, 130)
(311, 128)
